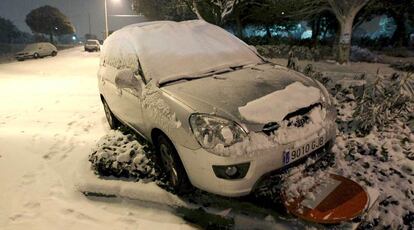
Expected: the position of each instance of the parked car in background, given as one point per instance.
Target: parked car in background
(220, 116)
(92, 45)
(37, 50)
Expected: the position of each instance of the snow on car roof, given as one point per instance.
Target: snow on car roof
(168, 50)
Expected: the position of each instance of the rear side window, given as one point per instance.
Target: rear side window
(120, 54)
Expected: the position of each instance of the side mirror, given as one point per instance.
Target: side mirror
(125, 79)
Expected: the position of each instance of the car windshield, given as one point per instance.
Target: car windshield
(91, 42)
(169, 50)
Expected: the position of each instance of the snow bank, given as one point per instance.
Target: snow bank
(168, 50)
(275, 106)
(88, 182)
(117, 153)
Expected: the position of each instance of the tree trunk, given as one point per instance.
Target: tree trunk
(344, 46)
(196, 11)
(268, 32)
(345, 12)
(51, 37)
(316, 29)
(399, 38)
(239, 26)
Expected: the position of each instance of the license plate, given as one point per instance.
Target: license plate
(294, 154)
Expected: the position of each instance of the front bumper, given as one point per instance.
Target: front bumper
(199, 166)
(23, 56)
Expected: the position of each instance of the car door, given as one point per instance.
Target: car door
(41, 49)
(112, 95)
(131, 106)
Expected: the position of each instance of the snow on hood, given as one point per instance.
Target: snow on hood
(275, 106)
(168, 50)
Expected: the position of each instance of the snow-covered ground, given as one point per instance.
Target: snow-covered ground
(50, 118)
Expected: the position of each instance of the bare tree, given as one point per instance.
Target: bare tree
(219, 10)
(345, 11)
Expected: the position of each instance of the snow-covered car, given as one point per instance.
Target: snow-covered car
(221, 117)
(92, 45)
(37, 50)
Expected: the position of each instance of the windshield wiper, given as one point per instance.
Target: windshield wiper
(189, 78)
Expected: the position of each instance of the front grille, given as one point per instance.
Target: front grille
(271, 127)
(276, 175)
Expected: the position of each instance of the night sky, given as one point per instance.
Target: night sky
(76, 10)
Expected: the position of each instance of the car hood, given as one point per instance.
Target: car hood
(223, 94)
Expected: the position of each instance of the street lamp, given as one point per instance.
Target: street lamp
(106, 20)
(106, 16)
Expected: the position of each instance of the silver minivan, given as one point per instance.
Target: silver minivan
(220, 116)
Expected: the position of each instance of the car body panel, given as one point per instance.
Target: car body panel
(223, 94)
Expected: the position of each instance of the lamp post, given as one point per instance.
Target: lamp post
(106, 20)
(106, 16)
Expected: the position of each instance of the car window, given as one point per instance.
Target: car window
(122, 56)
(30, 47)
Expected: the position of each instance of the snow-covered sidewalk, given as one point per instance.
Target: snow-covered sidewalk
(50, 118)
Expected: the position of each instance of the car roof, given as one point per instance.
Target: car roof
(151, 42)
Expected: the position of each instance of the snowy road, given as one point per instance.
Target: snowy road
(50, 118)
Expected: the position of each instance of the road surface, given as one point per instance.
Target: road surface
(50, 118)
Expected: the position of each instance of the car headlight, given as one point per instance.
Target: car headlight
(211, 131)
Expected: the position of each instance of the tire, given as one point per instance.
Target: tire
(172, 167)
(54, 53)
(110, 117)
(20, 59)
(36, 55)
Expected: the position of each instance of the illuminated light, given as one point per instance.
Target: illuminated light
(74, 37)
(307, 34)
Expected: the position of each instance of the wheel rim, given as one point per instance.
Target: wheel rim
(108, 114)
(169, 164)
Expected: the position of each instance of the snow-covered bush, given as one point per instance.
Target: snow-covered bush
(359, 54)
(301, 52)
(403, 66)
(121, 155)
(385, 102)
(310, 72)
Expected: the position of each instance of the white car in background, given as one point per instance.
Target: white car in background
(37, 50)
(92, 45)
(220, 116)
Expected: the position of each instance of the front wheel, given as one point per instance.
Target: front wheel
(110, 117)
(36, 55)
(54, 53)
(172, 166)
